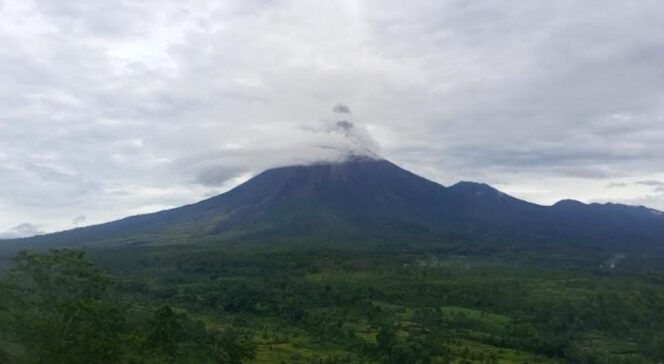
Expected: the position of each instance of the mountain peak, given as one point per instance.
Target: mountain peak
(475, 187)
(372, 198)
(349, 158)
(569, 203)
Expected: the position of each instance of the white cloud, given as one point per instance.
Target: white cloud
(173, 101)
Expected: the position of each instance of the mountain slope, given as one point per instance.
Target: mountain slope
(373, 198)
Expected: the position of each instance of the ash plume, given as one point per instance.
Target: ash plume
(357, 141)
(341, 109)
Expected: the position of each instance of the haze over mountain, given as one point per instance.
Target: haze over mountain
(368, 197)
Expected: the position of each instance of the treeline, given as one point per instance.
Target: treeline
(56, 308)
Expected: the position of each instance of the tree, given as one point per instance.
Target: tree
(386, 338)
(54, 306)
(235, 347)
(58, 311)
(165, 332)
(174, 337)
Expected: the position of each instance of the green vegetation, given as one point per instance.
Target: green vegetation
(55, 308)
(305, 303)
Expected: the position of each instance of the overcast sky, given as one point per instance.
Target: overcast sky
(110, 108)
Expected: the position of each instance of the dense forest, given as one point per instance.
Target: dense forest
(307, 303)
(56, 308)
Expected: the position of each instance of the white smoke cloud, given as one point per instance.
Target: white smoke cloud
(331, 137)
(342, 133)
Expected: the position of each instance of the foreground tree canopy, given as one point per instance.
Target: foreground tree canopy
(56, 309)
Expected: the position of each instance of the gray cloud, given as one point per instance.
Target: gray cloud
(22, 230)
(344, 126)
(657, 186)
(652, 183)
(119, 107)
(217, 175)
(341, 109)
(78, 220)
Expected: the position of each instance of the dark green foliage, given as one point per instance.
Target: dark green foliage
(59, 315)
(429, 303)
(173, 337)
(235, 347)
(165, 332)
(54, 308)
(439, 303)
(411, 347)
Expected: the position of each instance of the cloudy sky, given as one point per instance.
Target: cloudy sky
(116, 107)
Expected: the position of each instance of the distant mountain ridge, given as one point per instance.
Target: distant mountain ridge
(366, 197)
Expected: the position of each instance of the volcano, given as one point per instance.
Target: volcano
(364, 198)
